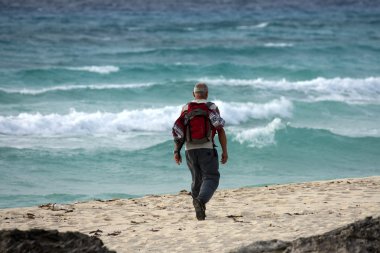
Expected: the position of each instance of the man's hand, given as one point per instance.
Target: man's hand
(177, 158)
(224, 158)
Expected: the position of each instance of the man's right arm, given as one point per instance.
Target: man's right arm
(177, 154)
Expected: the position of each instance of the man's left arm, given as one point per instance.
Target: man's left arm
(222, 139)
(223, 142)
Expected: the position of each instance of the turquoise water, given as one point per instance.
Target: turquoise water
(89, 92)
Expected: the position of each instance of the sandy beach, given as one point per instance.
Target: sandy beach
(236, 217)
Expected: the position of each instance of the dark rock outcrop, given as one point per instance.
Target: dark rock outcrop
(359, 237)
(47, 241)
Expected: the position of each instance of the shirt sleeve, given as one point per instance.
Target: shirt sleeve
(214, 116)
(178, 130)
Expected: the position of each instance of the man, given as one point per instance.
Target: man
(201, 155)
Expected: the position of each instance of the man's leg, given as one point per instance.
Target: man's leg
(209, 165)
(196, 173)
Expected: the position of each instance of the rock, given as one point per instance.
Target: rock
(46, 241)
(272, 246)
(184, 192)
(57, 207)
(361, 236)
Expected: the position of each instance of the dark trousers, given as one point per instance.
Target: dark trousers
(204, 167)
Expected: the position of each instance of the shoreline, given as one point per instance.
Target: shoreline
(139, 196)
(235, 217)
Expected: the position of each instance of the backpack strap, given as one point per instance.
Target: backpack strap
(210, 105)
(185, 108)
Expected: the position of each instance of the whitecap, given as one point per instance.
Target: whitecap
(250, 27)
(96, 69)
(279, 44)
(236, 113)
(260, 136)
(76, 87)
(349, 90)
(349, 127)
(125, 141)
(262, 25)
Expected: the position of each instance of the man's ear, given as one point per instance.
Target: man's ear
(193, 94)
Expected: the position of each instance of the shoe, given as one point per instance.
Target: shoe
(204, 208)
(199, 209)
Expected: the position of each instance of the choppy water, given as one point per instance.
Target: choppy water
(89, 92)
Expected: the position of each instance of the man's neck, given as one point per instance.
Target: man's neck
(200, 100)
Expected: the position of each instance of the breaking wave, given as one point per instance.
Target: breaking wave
(236, 113)
(148, 119)
(319, 89)
(261, 136)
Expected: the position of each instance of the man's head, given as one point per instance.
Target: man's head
(200, 91)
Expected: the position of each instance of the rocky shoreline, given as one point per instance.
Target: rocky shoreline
(361, 236)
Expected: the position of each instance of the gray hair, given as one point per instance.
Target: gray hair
(201, 88)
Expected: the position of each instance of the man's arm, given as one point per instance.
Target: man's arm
(179, 136)
(177, 155)
(223, 142)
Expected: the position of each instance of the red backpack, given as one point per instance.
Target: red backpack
(197, 123)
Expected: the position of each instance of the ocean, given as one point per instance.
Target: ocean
(89, 91)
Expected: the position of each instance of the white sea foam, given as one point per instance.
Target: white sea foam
(354, 132)
(89, 123)
(349, 127)
(278, 44)
(145, 120)
(250, 27)
(96, 69)
(125, 141)
(237, 113)
(259, 137)
(76, 87)
(319, 89)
